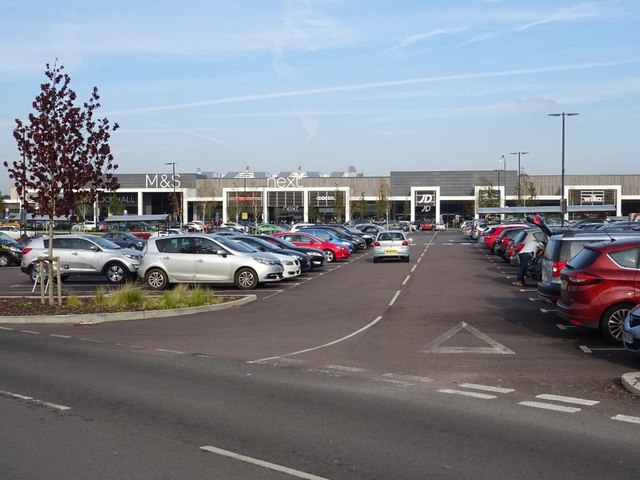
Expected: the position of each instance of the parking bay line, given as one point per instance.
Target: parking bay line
(626, 418)
(550, 406)
(35, 400)
(261, 463)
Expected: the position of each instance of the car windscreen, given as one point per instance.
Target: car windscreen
(583, 258)
(106, 244)
(234, 245)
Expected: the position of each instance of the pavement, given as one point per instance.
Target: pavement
(631, 382)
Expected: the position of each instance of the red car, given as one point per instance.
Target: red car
(599, 286)
(427, 226)
(332, 251)
(491, 234)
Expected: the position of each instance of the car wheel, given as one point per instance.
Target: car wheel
(331, 257)
(246, 279)
(34, 274)
(613, 321)
(115, 273)
(4, 260)
(156, 279)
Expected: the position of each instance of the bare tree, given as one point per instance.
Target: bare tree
(65, 150)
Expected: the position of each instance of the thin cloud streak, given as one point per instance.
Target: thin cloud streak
(373, 85)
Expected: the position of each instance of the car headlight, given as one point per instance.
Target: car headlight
(15, 249)
(132, 256)
(266, 261)
(289, 262)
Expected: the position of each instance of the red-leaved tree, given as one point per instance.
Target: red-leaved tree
(64, 150)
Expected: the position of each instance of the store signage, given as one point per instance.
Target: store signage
(284, 182)
(592, 198)
(425, 201)
(162, 181)
(325, 198)
(291, 208)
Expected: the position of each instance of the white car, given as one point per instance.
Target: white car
(440, 226)
(169, 231)
(14, 232)
(391, 244)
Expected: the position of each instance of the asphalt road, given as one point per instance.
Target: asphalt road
(439, 368)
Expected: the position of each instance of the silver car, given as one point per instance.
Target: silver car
(391, 244)
(206, 258)
(82, 254)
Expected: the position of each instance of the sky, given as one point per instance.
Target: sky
(403, 85)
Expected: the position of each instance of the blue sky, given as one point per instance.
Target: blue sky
(323, 84)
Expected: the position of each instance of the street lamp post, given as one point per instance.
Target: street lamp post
(518, 153)
(173, 181)
(563, 203)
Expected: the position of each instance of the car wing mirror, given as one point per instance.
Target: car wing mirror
(222, 252)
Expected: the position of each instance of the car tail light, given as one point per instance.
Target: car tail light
(405, 243)
(504, 241)
(557, 268)
(580, 278)
(519, 247)
(26, 250)
(377, 244)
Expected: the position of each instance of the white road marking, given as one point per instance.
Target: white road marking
(414, 268)
(550, 406)
(262, 463)
(169, 351)
(547, 310)
(483, 396)
(585, 349)
(626, 418)
(30, 331)
(560, 398)
(91, 340)
(495, 347)
(34, 400)
(487, 388)
(406, 280)
(5, 328)
(408, 377)
(346, 337)
(345, 369)
(395, 297)
(58, 336)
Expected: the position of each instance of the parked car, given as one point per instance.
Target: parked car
(505, 239)
(357, 239)
(440, 226)
(560, 249)
(329, 236)
(370, 228)
(333, 251)
(10, 251)
(490, 235)
(631, 330)
(168, 231)
(426, 226)
(16, 232)
(316, 256)
(600, 285)
(83, 254)
(393, 244)
(125, 240)
(294, 263)
(142, 231)
(208, 259)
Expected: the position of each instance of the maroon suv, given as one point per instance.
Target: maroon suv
(600, 285)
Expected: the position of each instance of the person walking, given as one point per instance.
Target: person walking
(524, 256)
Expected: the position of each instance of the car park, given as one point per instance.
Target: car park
(10, 251)
(393, 244)
(206, 259)
(505, 239)
(490, 235)
(599, 286)
(82, 254)
(125, 240)
(357, 239)
(333, 251)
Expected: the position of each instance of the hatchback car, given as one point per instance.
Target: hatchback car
(560, 249)
(316, 256)
(392, 244)
(83, 254)
(631, 330)
(10, 251)
(600, 285)
(294, 263)
(206, 258)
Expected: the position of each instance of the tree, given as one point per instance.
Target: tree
(338, 204)
(359, 206)
(116, 207)
(488, 196)
(64, 150)
(382, 203)
(207, 192)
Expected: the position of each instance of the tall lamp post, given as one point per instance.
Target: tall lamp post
(563, 203)
(518, 153)
(173, 181)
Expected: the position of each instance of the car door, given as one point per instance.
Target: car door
(209, 265)
(176, 255)
(627, 277)
(85, 256)
(62, 248)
